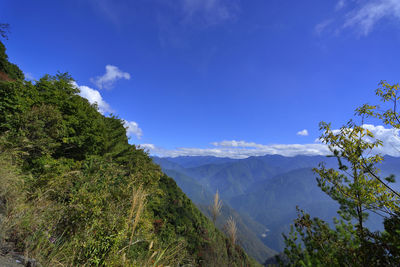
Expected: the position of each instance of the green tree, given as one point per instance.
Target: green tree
(359, 189)
(76, 193)
(11, 70)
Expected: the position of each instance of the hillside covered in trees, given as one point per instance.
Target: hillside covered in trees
(355, 186)
(73, 191)
(263, 186)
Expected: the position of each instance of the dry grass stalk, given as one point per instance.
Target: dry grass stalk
(231, 230)
(215, 208)
(138, 200)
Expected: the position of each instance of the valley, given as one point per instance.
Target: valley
(262, 191)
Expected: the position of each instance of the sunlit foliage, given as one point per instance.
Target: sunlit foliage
(358, 187)
(75, 192)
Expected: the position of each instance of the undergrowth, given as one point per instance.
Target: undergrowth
(74, 192)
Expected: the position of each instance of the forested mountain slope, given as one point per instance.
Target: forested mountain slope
(74, 191)
(266, 188)
(249, 231)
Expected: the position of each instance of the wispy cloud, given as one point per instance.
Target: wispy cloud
(113, 73)
(210, 11)
(340, 4)
(369, 13)
(360, 15)
(109, 9)
(303, 132)
(320, 27)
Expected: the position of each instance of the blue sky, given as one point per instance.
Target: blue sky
(214, 77)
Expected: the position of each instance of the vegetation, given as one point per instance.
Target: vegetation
(73, 191)
(8, 71)
(215, 208)
(359, 189)
(231, 230)
(249, 231)
(273, 203)
(268, 206)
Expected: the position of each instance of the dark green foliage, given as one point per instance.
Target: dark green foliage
(249, 231)
(356, 184)
(312, 242)
(75, 192)
(322, 245)
(10, 69)
(271, 200)
(175, 216)
(235, 177)
(389, 240)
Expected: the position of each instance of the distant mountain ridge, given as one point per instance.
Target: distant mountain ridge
(266, 188)
(75, 192)
(233, 177)
(248, 229)
(190, 162)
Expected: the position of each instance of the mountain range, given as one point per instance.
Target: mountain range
(265, 190)
(75, 192)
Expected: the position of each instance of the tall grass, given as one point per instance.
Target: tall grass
(215, 208)
(231, 231)
(93, 224)
(138, 200)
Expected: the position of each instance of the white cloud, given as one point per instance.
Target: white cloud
(243, 149)
(148, 146)
(340, 4)
(370, 13)
(132, 129)
(109, 9)
(361, 15)
(94, 97)
(320, 27)
(303, 132)
(113, 73)
(389, 137)
(233, 143)
(210, 11)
